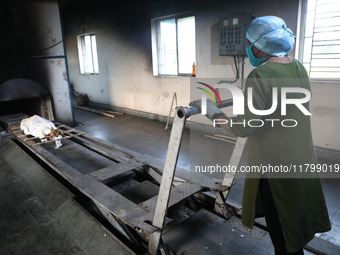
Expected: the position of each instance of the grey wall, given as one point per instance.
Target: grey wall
(32, 48)
(125, 63)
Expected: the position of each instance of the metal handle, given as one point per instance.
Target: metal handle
(190, 111)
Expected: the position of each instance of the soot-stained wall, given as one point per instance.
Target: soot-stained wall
(125, 79)
(32, 48)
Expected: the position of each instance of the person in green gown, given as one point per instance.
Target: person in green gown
(292, 203)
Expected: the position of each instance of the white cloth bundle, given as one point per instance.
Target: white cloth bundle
(40, 127)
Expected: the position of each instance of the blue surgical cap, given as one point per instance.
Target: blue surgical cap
(271, 35)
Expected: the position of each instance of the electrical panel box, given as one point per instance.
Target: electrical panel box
(232, 36)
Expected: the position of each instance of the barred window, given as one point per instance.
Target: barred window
(87, 50)
(321, 48)
(173, 45)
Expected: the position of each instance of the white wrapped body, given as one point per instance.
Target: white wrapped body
(39, 127)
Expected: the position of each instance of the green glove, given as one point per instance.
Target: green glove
(212, 111)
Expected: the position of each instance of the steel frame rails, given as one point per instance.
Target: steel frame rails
(181, 114)
(148, 218)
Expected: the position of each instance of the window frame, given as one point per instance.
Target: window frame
(81, 55)
(301, 42)
(154, 41)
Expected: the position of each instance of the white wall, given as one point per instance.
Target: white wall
(325, 109)
(125, 69)
(125, 65)
(125, 75)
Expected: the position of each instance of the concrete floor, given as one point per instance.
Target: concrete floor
(39, 215)
(198, 148)
(29, 222)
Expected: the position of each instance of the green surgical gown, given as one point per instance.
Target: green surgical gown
(283, 138)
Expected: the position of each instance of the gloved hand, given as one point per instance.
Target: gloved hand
(212, 111)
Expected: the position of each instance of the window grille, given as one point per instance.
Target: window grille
(321, 50)
(175, 46)
(88, 58)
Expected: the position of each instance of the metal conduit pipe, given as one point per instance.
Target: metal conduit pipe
(186, 112)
